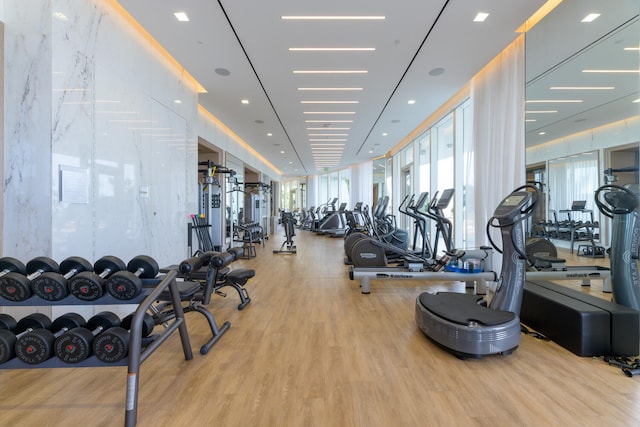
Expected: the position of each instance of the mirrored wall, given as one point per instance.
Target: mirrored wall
(582, 99)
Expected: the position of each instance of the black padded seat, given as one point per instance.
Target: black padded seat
(240, 276)
(463, 309)
(186, 290)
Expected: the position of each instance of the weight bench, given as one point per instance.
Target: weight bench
(190, 293)
(581, 323)
(202, 276)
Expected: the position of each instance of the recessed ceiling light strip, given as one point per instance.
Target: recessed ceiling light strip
(332, 49)
(329, 112)
(334, 17)
(561, 101)
(582, 87)
(329, 102)
(330, 88)
(328, 121)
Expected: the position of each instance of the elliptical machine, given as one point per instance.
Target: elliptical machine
(623, 206)
(462, 323)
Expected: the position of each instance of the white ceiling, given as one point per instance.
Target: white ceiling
(250, 39)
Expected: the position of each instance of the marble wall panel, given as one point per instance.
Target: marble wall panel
(27, 130)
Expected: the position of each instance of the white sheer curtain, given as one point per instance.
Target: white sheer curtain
(361, 184)
(498, 96)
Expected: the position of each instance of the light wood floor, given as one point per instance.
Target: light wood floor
(311, 350)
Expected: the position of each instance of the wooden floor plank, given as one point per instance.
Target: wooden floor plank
(311, 350)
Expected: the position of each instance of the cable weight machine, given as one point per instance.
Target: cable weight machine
(209, 225)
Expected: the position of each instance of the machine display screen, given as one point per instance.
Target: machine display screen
(513, 200)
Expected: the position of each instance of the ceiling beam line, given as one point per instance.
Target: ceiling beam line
(261, 85)
(384, 107)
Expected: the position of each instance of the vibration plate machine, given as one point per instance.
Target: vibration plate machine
(461, 323)
(622, 205)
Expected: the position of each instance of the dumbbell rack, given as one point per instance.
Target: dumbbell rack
(137, 354)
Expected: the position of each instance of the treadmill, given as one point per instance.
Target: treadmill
(462, 323)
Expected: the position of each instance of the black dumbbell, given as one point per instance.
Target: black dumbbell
(14, 286)
(26, 324)
(12, 265)
(112, 345)
(52, 286)
(89, 285)
(7, 322)
(37, 346)
(126, 285)
(75, 345)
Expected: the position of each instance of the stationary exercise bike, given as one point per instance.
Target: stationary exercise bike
(462, 323)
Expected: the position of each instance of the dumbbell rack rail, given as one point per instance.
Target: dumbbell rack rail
(137, 352)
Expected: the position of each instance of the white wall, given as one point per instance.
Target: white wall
(88, 97)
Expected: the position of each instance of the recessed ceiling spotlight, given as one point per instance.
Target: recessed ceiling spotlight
(436, 71)
(259, 121)
(245, 101)
(61, 16)
(177, 101)
(481, 17)
(181, 16)
(411, 101)
(281, 151)
(222, 72)
(269, 134)
(542, 133)
(590, 17)
(384, 134)
(370, 151)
